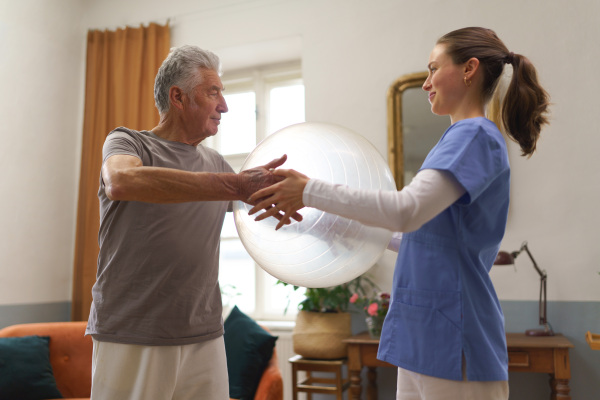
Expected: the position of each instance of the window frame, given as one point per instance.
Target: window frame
(260, 80)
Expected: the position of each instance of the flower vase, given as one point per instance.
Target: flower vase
(374, 325)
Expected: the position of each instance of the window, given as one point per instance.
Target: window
(260, 101)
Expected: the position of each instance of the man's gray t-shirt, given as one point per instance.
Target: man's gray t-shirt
(157, 280)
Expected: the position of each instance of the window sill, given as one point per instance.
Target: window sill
(278, 325)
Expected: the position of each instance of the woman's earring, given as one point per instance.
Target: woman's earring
(467, 82)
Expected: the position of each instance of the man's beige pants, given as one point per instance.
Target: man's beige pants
(133, 372)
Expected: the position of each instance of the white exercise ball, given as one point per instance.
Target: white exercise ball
(323, 249)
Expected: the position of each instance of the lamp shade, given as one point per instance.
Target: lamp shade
(504, 258)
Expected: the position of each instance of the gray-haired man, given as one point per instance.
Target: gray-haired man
(156, 312)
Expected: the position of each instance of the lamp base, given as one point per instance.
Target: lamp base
(545, 330)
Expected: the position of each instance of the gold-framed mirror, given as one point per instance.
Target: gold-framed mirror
(412, 128)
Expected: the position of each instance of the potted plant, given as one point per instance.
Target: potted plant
(323, 320)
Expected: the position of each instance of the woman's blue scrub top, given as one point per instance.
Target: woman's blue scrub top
(443, 302)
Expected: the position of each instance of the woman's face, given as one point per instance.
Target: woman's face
(445, 83)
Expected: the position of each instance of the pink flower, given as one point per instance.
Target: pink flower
(372, 310)
(354, 298)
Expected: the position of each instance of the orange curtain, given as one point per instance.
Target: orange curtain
(119, 91)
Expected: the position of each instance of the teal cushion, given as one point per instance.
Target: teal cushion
(249, 349)
(25, 370)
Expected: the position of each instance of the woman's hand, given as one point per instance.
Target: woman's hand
(284, 196)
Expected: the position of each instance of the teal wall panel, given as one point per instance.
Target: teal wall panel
(572, 319)
(26, 313)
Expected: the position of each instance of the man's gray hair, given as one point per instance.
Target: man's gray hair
(180, 68)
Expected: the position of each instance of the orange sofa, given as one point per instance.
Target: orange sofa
(71, 359)
(70, 354)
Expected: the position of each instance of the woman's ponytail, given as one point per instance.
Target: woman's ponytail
(525, 105)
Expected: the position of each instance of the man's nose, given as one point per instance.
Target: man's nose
(222, 107)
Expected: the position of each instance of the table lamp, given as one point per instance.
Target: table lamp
(505, 258)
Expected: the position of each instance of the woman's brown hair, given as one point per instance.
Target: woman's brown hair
(525, 105)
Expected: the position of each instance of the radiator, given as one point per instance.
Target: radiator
(285, 350)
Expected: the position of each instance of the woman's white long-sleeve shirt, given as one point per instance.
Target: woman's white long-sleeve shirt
(428, 194)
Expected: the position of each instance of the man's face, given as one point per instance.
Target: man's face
(206, 104)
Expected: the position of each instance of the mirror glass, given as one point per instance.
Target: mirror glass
(412, 128)
(421, 130)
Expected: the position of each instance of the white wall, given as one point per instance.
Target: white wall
(351, 52)
(41, 53)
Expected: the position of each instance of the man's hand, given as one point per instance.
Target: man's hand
(255, 179)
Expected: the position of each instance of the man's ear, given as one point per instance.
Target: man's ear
(176, 96)
(471, 67)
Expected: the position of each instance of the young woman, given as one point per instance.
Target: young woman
(445, 327)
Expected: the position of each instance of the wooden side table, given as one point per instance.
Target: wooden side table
(362, 351)
(545, 354)
(334, 386)
(549, 354)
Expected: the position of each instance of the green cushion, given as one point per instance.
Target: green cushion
(249, 349)
(25, 370)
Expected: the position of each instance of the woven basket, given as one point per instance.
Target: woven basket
(319, 335)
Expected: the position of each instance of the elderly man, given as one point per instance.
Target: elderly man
(156, 314)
